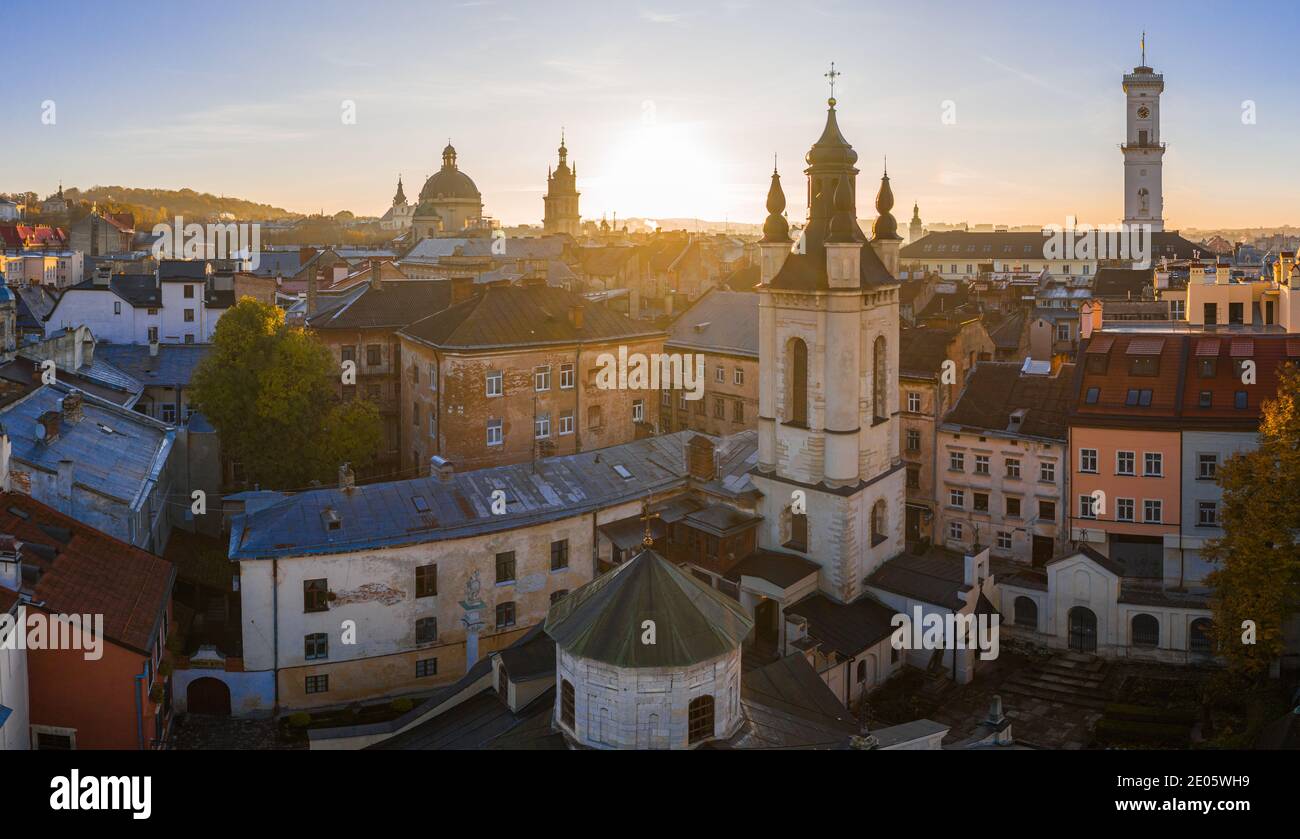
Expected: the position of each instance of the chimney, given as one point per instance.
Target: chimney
(699, 458)
(376, 278)
(347, 480)
(462, 288)
(576, 312)
(1222, 272)
(103, 274)
(441, 468)
(153, 349)
(48, 427)
(71, 406)
(63, 486)
(976, 567)
(313, 280)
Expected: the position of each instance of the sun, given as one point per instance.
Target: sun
(661, 170)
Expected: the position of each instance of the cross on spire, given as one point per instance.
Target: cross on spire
(832, 75)
(646, 516)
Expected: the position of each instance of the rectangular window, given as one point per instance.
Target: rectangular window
(153, 334)
(1088, 460)
(433, 377)
(719, 408)
(954, 530)
(981, 464)
(494, 383)
(957, 461)
(189, 316)
(542, 378)
(1124, 509)
(557, 596)
(189, 292)
(316, 645)
(566, 377)
(913, 477)
(1047, 510)
(1004, 540)
(638, 410)
(1144, 365)
(1153, 464)
(1013, 467)
(720, 374)
(1205, 399)
(559, 554)
(373, 355)
(1013, 508)
(1240, 400)
(505, 615)
(542, 426)
(738, 377)
(1124, 463)
(426, 630)
(1151, 511)
(566, 422)
(426, 667)
(348, 353)
(415, 414)
(956, 498)
(168, 413)
(1207, 466)
(738, 411)
(315, 596)
(913, 440)
(1207, 514)
(318, 684)
(981, 502)
(1047, 472)
(494, 433)
(1085, 507)
(426, 580)
(506, 567)
(914, 402)
(1207, 367)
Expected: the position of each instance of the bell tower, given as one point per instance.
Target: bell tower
(828, 465)
(1143, 150)
(561, 200)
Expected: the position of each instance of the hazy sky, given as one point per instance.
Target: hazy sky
(671, 108)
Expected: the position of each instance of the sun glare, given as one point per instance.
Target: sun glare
(661, 170)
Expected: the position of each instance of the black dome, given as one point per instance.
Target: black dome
(448, 182)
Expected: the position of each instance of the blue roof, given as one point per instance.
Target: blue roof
(387, 515)
(174, 364)
(116, 451)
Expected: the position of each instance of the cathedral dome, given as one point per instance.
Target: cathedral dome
(831, 149)
(449, 181)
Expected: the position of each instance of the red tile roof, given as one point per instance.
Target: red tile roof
(85, 571)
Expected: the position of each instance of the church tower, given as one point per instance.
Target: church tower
(915, 231)
(828, 459)
(561, 201)
(1143, 150)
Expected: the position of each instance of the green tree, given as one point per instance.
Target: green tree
(269, 389)
(1257, 573)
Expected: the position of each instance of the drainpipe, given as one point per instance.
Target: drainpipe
(275, 629)
(139, 705)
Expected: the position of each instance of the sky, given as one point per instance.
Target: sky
(670, 109)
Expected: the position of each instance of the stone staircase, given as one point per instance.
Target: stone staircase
(1069, 678)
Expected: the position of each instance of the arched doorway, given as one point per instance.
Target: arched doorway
(1083, 630)
(208, 696)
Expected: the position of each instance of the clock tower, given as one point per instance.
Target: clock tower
(1143, 150)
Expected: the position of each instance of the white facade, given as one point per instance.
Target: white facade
(1143, 150)
(1203, 453)
(645, 708)
(185, 315)
(13, 685)
(109, 316)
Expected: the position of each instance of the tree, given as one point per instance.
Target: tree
(1257, 574)
(269, 389)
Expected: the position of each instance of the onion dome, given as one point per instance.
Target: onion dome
(776, 228)
(886, 227)
(843, 226)
(831, 149)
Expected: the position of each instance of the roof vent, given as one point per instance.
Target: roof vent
(331, 519)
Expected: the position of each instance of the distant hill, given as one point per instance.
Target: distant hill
(152, 205)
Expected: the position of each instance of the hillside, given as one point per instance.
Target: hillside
(157, 204)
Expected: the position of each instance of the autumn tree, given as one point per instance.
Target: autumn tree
(269, 389)
(1257, 562)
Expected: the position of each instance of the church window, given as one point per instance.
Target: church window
(880, 397)
(1026, 612)
(796, 394)
(567, 715)
(879, 526)
(700, 719)
(862, 671)
(1200, 636)
(1146, 631)
(798, 532)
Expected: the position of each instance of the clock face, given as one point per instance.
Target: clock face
(1144, 112)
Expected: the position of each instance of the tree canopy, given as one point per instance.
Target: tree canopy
(1257, 573)
(270, 391)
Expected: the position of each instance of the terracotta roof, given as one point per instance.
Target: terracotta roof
(392, 306)
(997, 390)
(84, 571)
(922, 350)
(511, 316)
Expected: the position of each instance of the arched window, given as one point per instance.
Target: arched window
(1201, 637)
(798, 532)
(567, 715)
(796, 382)
(862, 671)
(699, 718)
(1026, 612)
(879, 527)
(880, 390)
(1146, 631)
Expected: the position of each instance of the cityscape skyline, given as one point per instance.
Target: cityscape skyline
(994, 126)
